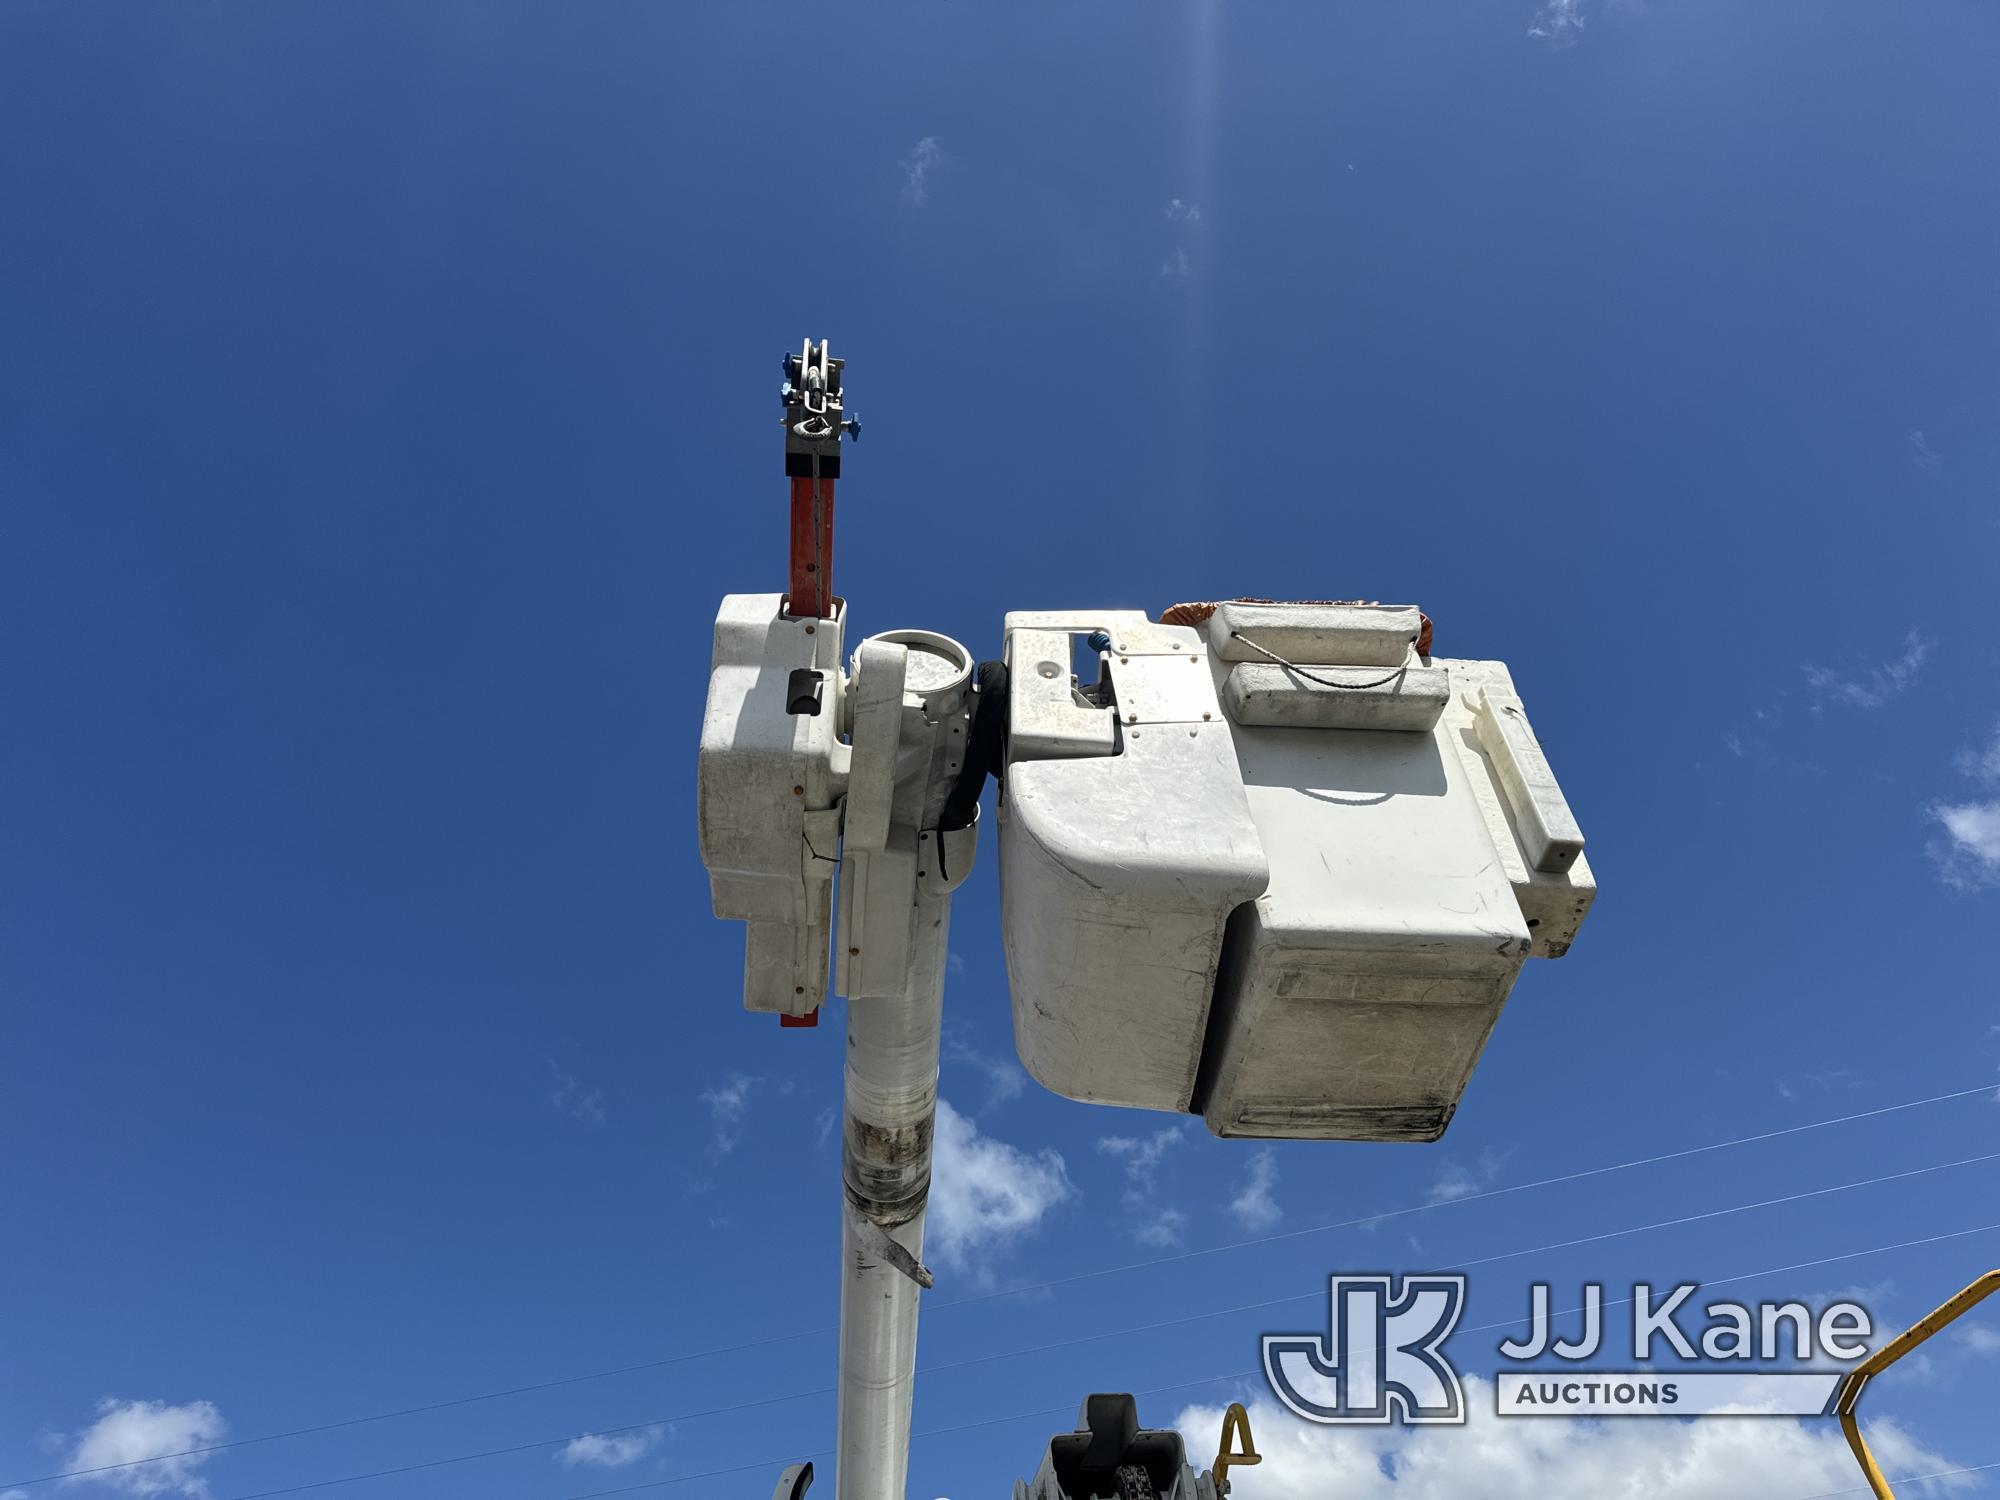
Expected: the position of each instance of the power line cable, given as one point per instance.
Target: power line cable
(770, 1463)
(1488, 1193)
(1862, 1489)
(1018, 1290)
(1223, 1312)
(514, 1448)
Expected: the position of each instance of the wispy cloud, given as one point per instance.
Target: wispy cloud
(1558, 22)
(1781, 731)
(1162, 1229)
(1983, 764)
(1982, 1339)
(1921, 453)
(1184, 216)
(1967, 856)
(727, 1105)
(1256, 1207)
(1004, 1077)
(1152, 1222)
(586, 1106)
(1870, 685)
(152, 1439)
(985, 1194)
(609, 1450)
(919, 165)
(1457, 1180)
(1142, 1155)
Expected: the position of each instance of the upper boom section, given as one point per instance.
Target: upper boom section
(815, 418)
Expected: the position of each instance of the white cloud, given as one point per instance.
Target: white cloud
(1255, 1207)
(1870, 686)
(985, 1193)
(1499, 1458)
(132, 1432)
(1142, 1154)
(727, 1104)
(1005, 1078)
(1457, 1181)
(924, 158)
(1982, 1339)
(1921, 453)
(1774, 737)
(1177, 264)
(1972, 857)
(1968, 857)
(1983, 763)
(1558, 22)
(1155, 1224)
(609, 1450)
(1163, 1229)
(574, 1100)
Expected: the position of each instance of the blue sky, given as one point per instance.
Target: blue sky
(385, 403)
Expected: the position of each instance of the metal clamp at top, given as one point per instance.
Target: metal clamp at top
(814, 415)
(815, 419)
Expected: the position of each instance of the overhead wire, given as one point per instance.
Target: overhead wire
(1862, 1489)
(1484, 1195)
(773, 1462)
(768, 1463)
(606, 1432)
(1023, 1289)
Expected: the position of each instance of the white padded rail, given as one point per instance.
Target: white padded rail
(1549, 833)
(1411, 700)
(1349, 635)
